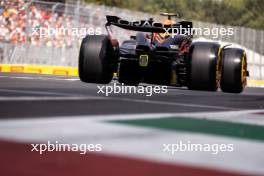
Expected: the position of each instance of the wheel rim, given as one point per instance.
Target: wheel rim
(218, 67)
(243, 70)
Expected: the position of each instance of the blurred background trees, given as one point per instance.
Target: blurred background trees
(248, 13)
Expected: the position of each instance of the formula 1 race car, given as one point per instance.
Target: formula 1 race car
(154, 56)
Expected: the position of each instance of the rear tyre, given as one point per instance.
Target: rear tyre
(129, 73)
(234, 70)
(95, 60)
(203, 66)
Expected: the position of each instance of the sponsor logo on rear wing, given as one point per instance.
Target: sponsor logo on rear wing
(147, 25)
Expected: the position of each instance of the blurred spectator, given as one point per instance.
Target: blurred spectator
(17, 24)
(20, 19)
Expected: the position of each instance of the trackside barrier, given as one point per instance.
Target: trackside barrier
(255, 83)
(38, 69)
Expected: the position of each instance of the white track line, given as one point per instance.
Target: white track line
(241, 116)
(85, 97)
(178, 104)
(56, 78)
(108, 98)
(34, 92)
(47, 98)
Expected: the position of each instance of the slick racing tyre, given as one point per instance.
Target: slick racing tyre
(129, 73)
(203, 66)
(95, 60)
(234, 70)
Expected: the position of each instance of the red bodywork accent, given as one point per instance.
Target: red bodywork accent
(184, 47)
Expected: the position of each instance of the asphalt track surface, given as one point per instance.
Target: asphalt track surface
(33, 96)
(41, 108)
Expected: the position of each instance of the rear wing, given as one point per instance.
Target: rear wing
(146, 25)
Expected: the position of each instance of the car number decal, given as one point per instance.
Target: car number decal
(143, 60)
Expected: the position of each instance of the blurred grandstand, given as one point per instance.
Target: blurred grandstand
(19, 44)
